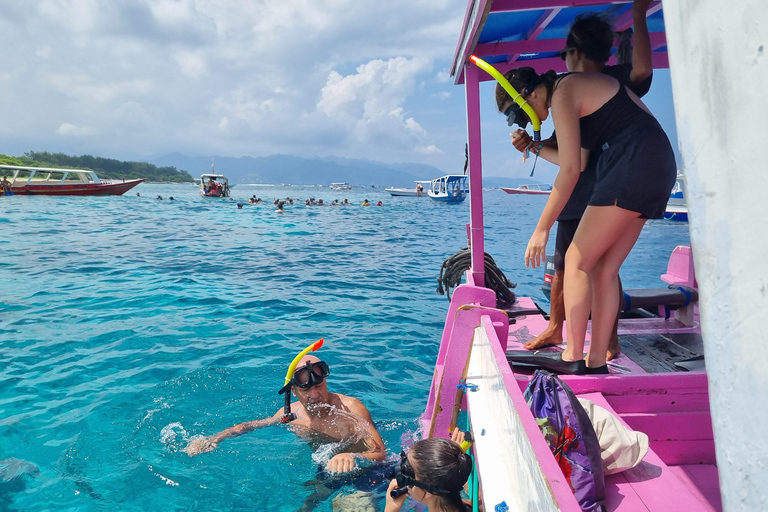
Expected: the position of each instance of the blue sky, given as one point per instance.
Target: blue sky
(132, 79)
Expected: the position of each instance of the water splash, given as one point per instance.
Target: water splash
(168, 436)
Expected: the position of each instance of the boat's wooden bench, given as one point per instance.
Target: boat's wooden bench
(651, 485)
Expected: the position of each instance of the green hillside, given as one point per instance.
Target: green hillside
(106, 168)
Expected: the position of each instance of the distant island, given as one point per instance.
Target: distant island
(105, 168)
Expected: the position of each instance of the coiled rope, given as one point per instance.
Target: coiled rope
(453, 268)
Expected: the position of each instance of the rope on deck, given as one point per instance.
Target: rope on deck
(453, 268)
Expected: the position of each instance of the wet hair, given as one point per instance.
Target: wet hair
(592, 34)
(524, 80)
(442, 463)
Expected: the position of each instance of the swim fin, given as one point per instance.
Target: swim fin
(552, 361)
(692, 364)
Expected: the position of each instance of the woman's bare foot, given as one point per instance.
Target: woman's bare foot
(549, 338)
(613, 349)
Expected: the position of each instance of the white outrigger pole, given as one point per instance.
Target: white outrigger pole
(718, 56)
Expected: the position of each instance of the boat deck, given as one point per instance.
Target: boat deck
(648, 345)
(656, 395)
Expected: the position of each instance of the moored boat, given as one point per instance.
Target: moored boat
(418, 191)
(658, 385)
(452, 188)
(63, 182)
(533, 189)
(677, 209)
(340, 186)
(214, 185)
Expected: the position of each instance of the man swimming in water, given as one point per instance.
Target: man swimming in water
(320, 417)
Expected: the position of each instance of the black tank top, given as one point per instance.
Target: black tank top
(617, 114)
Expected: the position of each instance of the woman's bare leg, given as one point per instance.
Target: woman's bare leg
(605, 292)
(601, 228)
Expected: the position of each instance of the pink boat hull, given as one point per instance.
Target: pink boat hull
(78, 189)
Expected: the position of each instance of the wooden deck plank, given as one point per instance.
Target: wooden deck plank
(702, 480)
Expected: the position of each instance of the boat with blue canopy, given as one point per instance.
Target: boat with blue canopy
(452, 188)
(665, 391)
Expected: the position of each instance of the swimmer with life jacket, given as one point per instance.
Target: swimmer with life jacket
(319, 415)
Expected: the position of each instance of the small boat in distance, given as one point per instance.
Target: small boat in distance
(677, 209)
(341, 186)
(529, 189)
(63, 182)
(452, 188)
(213, 184)
(412, 192)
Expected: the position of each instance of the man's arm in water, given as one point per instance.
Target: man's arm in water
(345, 462)
(209, 443)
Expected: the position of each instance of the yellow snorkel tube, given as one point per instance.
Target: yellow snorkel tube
(516, 96)
(288, 416)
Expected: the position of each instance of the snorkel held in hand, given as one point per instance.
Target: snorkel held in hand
(288, 416)
(516, 96)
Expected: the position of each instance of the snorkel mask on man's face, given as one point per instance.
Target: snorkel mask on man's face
(310, 375)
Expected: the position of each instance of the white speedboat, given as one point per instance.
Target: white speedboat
(214, 185)
(529, 189)
(421, 186)
(340, 186)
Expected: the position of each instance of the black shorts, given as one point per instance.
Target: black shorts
(566, 229)
(636, 171)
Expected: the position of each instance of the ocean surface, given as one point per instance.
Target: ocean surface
(130, 324)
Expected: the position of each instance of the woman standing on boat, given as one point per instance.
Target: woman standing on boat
(635, 175)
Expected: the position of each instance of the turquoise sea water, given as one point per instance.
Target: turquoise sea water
(129, 324)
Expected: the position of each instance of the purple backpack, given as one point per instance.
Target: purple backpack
(570, 435)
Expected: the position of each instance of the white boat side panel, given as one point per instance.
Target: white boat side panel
(715, 48)
(509, 469)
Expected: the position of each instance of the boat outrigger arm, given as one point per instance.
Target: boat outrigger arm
(288, 416)
(516, 96)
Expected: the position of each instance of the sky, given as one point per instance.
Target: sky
(138, 79)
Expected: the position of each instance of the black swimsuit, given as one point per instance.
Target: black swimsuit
(636, 170)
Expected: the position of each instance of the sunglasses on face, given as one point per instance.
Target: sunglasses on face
(310, 375)
(565, 52)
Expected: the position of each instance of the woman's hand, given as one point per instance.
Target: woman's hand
(394, 504)
(341, 463)
(521, 140)
(457, 436)
(535, 253)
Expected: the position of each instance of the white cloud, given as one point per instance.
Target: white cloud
(370, 101)
(428, 150)
(70, 130)
(191, 64)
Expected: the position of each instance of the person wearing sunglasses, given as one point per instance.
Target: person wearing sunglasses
(634, 176)
(587, 49)
(319, 416)
(434, 472)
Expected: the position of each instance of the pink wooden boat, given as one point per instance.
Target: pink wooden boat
(658, 385)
